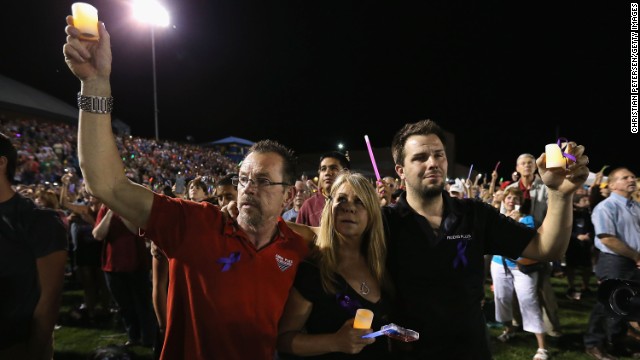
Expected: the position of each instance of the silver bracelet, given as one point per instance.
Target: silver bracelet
(95, 104)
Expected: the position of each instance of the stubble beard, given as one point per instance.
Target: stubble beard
(432, 191)
(251, 219)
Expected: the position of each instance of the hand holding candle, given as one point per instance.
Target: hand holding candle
(556, 155)
(85, 18)
(570, 172)
(363, 320)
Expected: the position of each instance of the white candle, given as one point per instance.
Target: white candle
(363, 320)
(554, 156)
(85, 18)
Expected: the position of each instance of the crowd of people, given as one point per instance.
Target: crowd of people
(182, 231)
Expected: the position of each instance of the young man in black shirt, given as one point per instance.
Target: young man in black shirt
(33, 253)
(436, 244)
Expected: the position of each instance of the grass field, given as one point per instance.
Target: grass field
(75, 341)
(574, 316)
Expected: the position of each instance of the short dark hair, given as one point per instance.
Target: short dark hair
(9, 151)
(227, 180)
(422, 127)
(342, 159)
(613, 174)
(200, 182)
(288, 157)
(577, 198)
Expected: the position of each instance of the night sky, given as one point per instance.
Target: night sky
(505, 77)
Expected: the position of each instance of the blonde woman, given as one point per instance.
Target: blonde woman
(345, 272)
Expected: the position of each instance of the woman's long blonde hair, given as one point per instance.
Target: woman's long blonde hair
(373, 245)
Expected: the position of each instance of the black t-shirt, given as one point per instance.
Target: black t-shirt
(438, 274)
(26, 234)
(330, 311)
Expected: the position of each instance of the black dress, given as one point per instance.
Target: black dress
(330, 311)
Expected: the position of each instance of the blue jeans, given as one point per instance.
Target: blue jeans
(132, 292)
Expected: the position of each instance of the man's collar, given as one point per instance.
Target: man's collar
(450, 205)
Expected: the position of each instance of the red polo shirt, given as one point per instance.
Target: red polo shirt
(311, 211)
(122, 250)
(225, 297)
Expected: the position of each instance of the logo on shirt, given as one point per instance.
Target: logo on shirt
(457, 237)
(460, 260)
(283, 263)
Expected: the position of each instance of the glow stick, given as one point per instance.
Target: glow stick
(496, 169)
(395, 332)
(470, 170)
(373, 159)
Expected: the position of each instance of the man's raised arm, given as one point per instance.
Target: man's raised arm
(553, 236)
(100, 162)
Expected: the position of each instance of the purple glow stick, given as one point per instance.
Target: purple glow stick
(373, 159)
(496, 169)
(470, 170)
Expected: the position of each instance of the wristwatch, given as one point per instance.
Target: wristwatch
(95, 104)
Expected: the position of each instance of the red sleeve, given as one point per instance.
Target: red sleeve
(177, 225)
(101, 213)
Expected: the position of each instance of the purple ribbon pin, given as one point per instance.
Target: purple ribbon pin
(228, 261)
(562, 149)
(347, 303)
(461, 258)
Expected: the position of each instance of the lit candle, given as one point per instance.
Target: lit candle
(554, 156)
(363, 320)
(85, 18)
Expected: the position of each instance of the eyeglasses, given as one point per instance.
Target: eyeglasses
(259, 182)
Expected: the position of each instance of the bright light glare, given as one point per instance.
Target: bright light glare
(150, 12)
(340, 146)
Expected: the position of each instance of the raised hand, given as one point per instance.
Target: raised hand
(566, 180)
(230, 210)
(87, 60)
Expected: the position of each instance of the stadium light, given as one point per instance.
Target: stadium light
(154, 14)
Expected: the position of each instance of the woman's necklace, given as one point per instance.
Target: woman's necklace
(364, 289)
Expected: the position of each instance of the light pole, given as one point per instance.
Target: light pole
(152, 13)
(155, 86)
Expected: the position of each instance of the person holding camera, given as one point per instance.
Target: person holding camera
(617, 228)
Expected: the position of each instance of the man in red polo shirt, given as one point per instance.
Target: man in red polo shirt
(228, 281)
